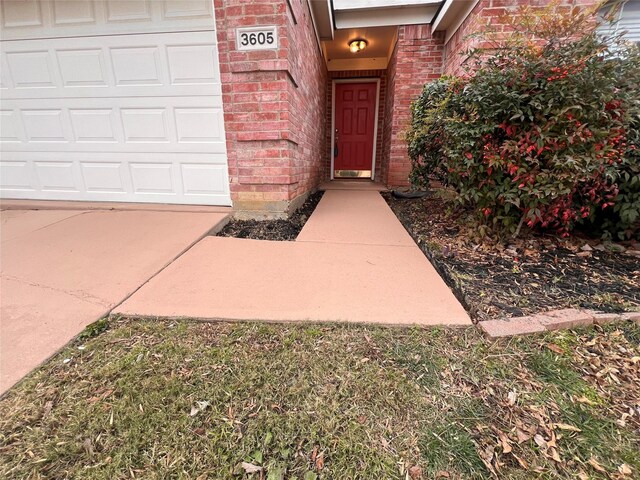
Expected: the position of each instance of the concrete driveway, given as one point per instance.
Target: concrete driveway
(63, 269)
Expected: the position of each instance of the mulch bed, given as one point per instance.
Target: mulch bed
(279, 230)
(528, 275)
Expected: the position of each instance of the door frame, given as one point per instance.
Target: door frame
(333, 117)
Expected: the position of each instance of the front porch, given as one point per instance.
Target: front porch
(288, 129)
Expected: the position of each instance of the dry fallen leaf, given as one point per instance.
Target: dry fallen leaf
(198, 407)
(564, 426)
(540, 441)
(250, 467)
(552, 441)
(320, 462)
(585, 400)
(504, 441)
(522, 435)
(486, 455)
(47, 409)
(88, 446)
(555, 348)
(522, 463)
(594, 463)
(415, 472)
(625, 469)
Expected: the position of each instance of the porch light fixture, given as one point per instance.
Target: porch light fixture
(357, 45)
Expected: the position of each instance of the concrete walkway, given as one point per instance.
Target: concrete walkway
(352, 262)
(64, 269)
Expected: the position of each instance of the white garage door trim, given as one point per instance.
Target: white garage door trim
(123, 117)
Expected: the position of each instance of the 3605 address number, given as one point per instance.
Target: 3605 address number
(257, 39)
(260, 38)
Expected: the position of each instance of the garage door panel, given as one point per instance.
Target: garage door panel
(17, 177)
(58, 176)
(115, 66)
(148, 124)
(105, 177)
(31, 69)
(200, 178)
(82, 68)
(168, 177)
(11, 130)
(22, 19)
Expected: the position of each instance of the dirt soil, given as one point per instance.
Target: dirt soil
(279, 230)
(527, 275)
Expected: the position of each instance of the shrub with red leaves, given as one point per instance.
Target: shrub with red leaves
(543, 133)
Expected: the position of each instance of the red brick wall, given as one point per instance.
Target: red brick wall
(387, 125)
(416, 60)
(273, 108)
(460, 42)
(364, 74)
(307, 93)
(490, 12)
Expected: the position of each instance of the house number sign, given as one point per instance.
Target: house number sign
(257, 38)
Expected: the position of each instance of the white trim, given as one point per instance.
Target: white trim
(441, 14)
(456, 25)
(381, 17)
(375, 125)
(341, 5)
(315, 28)
(452, 14)
(333, 125)
(375, 131)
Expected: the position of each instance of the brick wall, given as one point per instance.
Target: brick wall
(273, 107)
(490, 12)
(387, 125)
(351, 74)
(307, 93)
(416, 60)
(460, 42)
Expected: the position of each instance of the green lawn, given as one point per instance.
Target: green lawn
(154, 399)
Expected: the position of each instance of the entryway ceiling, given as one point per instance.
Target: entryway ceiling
(381, 40)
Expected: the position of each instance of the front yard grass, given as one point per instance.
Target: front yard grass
(155, 399)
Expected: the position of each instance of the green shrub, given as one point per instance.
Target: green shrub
(545, 132)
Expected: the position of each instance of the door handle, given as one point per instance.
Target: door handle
(335, 144)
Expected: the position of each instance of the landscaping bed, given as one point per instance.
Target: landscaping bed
(279, 230)
(160, 399)
(525, 275)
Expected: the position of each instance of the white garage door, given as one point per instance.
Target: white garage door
(111, 101)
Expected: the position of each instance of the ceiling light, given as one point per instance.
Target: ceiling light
(357, 45)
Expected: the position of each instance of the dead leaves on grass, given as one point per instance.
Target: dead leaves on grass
(611, 364)
(606, 361)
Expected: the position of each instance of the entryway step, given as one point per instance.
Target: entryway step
(352, 185)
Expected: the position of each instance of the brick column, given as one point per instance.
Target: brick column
(416, 60)
(270, 107)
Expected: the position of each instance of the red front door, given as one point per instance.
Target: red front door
(355, 112)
